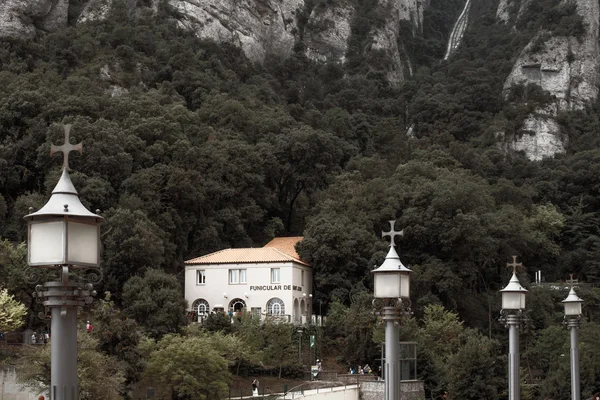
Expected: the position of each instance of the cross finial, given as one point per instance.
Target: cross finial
(392, 233)
(514, 265)
(571, 281)
(66, 148)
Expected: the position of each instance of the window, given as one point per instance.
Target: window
(201, 307)
(200, 277)
(302, 279)
(275, 306)
(275, 275)
(237, 276)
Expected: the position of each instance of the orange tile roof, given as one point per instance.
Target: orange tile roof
(267, 254)
(286, 244)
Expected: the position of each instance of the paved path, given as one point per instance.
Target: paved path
(459, 30)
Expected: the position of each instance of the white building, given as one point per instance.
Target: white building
(270, 282)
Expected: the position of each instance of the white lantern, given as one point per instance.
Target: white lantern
(64, 232)
(513, 295)
(392, 279)
(572, 304)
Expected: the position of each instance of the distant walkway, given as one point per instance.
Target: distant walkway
(458, 31)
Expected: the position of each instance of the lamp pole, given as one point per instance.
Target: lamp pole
(64, 237)
(392, 285)
(300, 345)
(572, 317)
(513, 304)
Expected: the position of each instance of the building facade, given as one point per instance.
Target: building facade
(271, 282)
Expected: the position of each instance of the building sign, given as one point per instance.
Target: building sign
(276, 287)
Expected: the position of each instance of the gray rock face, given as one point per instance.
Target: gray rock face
(95, 10)
(387, 37)
(502, 12)
(567, 68)
(23, 18)
(259, 27)
(541, 138)
(327, 32)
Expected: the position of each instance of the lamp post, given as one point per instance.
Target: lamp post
(513, 304)
(572, 317)
(63, 236)
(300, 345)
(392, 284)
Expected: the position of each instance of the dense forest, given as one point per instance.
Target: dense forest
(190, 148)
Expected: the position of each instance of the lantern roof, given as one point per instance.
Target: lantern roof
(514, 285)
(572, 297)
(64, 201)
(392, 263)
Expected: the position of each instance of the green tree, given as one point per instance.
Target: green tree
(475, 368)
(132, 244)
(100, 375)
(11, 312)
(279, 350)
(352, 328)
(118, 336)
(187, 367)
(155, 301)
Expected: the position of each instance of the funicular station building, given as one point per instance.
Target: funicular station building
(271, 282)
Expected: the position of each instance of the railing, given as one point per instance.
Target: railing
(316, 387)
(283, 391)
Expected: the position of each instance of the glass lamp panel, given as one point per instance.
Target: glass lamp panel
(83, 243)
(387, 285)
(405, 285)
(47, 242)
(573, 308)
(513, 301)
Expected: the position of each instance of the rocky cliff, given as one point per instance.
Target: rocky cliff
(259, 27)
(564, 66)
(23, 18)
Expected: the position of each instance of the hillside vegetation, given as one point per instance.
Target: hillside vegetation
(190, 148)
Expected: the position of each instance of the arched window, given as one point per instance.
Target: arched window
(201, 307)
(237, 305)
(275, 306)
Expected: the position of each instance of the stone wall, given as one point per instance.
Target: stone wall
(11, 390)
(371, 388)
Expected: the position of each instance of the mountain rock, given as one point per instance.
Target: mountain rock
(24, 18)
(327, 32)
(259, 27)
(386, 38)
(567, 68)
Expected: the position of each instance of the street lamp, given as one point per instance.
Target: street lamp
(513, 304)
(392, 284)
(64, 234)
(572, 317)
(300, 345)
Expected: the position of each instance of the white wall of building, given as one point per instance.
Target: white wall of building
(256, 291)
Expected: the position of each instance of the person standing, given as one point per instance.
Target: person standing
(255, 388)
